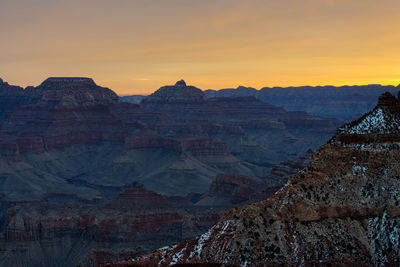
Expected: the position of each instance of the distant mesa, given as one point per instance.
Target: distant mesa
(68, 82)
(71, 91)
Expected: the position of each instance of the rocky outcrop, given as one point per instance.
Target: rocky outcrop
(342, 209)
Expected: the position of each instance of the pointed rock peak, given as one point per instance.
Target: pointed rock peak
(180, 83)
(387, 100)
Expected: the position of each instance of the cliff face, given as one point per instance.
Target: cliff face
(342, 209)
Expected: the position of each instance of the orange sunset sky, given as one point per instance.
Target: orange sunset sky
(136, 46)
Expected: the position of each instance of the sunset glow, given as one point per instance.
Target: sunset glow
(134, 47)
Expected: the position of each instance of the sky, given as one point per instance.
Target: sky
(137, 46)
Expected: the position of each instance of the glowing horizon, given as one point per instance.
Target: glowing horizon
(135, 47)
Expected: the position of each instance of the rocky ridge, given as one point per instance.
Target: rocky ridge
(343, 102)
(343, 209)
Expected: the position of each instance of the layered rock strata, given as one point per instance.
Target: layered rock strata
(136, 222)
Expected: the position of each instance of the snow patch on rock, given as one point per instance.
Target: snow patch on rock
(359, 170)
(378, 121)
(384, 235)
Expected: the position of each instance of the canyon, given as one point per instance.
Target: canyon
(86, 178)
